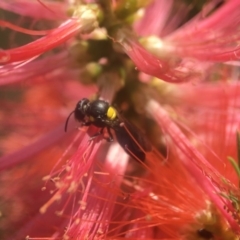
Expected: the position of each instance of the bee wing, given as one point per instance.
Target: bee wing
(138, 136)
(132, 140)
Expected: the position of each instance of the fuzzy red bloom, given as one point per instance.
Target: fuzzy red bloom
(185, 185)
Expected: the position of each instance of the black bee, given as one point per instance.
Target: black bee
(102, 115)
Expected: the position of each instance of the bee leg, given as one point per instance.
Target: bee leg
(110, 138)
(97, 134)
(86, 124)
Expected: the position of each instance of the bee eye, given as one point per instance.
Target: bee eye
(83, 104)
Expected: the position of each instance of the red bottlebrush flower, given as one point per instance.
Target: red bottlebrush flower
(174, 173)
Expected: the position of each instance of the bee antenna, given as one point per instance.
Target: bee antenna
(66, 124)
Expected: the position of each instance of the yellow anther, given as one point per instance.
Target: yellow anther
(91, 119)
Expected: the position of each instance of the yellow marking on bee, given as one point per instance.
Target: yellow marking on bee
(111, 113)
